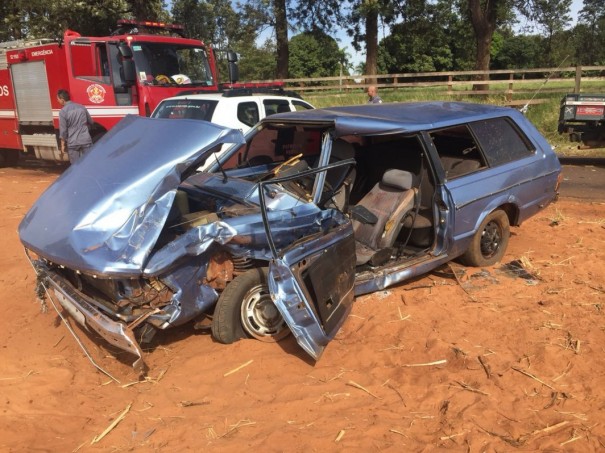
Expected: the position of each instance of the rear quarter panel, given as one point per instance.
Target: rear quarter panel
(526, 186)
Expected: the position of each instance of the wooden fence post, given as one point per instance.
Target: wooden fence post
(450, 78)
(578, 79)
(509, 93)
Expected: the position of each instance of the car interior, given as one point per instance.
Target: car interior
(388, 191)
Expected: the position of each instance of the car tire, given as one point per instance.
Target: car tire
(245, 310)
(489, 242)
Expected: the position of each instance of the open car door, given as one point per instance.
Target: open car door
(311, 281)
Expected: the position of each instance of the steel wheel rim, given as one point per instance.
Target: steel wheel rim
(261, 318)
(491, 238)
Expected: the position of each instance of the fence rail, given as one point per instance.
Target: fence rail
(455, 82)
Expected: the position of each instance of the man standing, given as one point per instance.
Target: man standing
(74, 121)
(373, 97)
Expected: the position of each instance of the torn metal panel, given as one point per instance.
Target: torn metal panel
(105, 214)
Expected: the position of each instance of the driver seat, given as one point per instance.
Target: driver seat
(389, 202)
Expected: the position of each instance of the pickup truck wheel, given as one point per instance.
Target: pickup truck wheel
(245, 310)
(490, 241)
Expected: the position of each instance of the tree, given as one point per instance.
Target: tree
(43, 18)
(416, 45)
(517, 52)
(368, 12)
(591, 31)
(281, 37)
(484, 17)
(256, 63)
(148, 9)
(314, 54)
(552, 16)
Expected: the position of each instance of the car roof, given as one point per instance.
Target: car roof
(395, 117)
(223, 96)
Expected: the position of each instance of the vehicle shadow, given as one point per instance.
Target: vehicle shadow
(51, 168)
(583, 160)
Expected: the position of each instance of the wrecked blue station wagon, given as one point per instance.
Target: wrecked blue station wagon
(306, 211)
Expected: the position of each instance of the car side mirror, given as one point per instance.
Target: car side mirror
(130, 75)
(363, 215)
(233, 67)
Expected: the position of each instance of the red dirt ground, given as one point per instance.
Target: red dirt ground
(497, 364)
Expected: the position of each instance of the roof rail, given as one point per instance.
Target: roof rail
(235, 92)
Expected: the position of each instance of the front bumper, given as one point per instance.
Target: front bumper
(89, 316)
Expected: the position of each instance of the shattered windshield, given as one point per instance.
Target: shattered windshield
(171, 64)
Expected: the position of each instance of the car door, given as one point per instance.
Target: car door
(311, 280)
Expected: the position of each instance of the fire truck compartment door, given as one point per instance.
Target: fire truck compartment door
(32, 94)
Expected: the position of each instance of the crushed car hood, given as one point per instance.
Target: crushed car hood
(105, 213)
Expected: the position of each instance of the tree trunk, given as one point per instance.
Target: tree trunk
(281, 37)
(483, 19)
(371, 40)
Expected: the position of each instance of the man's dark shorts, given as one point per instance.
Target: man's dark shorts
(76, 152)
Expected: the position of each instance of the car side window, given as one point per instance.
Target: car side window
(247, 113)
(501, 141)
(458, 151)
(273, 106)
(300, 105)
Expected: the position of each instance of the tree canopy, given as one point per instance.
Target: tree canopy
(294, 38)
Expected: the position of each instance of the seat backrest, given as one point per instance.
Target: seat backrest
(389, 200)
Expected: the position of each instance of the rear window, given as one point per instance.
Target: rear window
(197, 109)
(501, 141)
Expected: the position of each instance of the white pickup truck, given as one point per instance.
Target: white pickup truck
(238, 108)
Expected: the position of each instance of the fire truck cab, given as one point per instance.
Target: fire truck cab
(129, 72)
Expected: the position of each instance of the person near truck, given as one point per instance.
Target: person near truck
(74, 121)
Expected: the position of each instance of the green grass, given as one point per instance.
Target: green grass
(544, 116)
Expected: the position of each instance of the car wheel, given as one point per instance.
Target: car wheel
(245, 310)
(490, 241)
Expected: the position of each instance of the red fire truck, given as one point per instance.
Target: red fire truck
(128, 72)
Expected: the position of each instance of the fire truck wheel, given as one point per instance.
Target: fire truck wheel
(9, 157)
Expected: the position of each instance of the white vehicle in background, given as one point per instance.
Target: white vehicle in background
(237, 109)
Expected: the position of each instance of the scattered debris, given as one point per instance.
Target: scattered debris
(521, 440)
(237, 426)
(194, 403)
(112, 425)
(533, 377)
(360, 387)
(518, 269)
(235, 370)
(465, 386)
(486, 367)
(438, 362)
